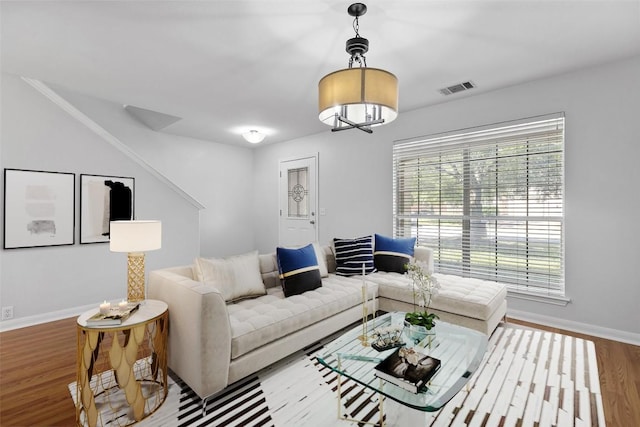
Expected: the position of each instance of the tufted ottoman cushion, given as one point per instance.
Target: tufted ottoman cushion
(469, 297)
(256, 322)
(464, 296)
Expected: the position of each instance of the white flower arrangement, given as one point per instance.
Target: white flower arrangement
(424, 287)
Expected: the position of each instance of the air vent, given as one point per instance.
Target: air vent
(457, 88)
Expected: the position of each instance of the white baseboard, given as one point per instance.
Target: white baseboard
(570, 325)
(23, 322)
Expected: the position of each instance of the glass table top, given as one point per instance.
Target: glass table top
(460, 351)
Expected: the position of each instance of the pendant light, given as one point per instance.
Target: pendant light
(361, 97)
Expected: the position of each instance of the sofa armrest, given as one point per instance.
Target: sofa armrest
(424, 254)
(199, 332)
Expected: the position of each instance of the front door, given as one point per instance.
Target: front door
(298, 200)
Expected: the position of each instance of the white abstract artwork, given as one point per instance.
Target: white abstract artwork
(39, 208)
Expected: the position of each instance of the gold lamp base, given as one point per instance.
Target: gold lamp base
(135, 277)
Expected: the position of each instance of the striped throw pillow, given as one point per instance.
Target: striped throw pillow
(351, 254)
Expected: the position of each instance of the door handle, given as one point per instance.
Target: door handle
(312, 222)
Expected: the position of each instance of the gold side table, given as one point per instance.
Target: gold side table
(122, 370)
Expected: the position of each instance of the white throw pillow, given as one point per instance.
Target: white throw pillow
(236, 277)
(322, 259)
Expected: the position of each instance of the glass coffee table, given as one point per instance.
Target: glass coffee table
(459, 349)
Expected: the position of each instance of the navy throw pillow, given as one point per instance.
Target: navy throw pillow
(352, 253)
(299, 271)
(393, 254)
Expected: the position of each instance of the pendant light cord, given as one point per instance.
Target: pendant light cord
(357, 56)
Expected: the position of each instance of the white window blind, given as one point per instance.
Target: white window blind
(489, 201)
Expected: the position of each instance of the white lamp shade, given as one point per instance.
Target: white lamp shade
(135, 236)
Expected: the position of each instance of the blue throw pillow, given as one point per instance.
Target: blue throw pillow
(393, 254)
(299, 271)
(352, 253)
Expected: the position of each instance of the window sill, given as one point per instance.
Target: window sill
(537, 297)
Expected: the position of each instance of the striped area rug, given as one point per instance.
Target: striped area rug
(528, 378)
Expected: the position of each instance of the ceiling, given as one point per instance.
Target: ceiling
(225, 67)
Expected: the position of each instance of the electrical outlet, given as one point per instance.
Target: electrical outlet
(7, 312)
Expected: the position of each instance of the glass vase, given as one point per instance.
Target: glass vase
(416, 333)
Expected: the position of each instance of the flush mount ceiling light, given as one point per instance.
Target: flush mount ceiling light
(358, 98)
(253, 136)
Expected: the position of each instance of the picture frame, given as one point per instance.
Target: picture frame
(39, 208)
(104, 198)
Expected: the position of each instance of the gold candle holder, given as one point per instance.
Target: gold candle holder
(364, 338)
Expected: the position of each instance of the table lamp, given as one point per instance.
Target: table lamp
(135, 237)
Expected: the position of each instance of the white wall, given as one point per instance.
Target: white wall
(38, 135)
(602, 230)
(218, 176)
(239, 189)
(352, 178)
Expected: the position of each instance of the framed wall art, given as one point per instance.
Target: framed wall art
(104, 199)
(39, 208)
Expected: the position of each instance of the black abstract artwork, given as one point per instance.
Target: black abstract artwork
(104, 199)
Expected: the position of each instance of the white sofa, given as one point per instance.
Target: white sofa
(213, 343)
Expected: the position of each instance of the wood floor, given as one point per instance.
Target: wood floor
(37, 364)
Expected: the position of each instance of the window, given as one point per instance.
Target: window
(298, 200)
(489, 201)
